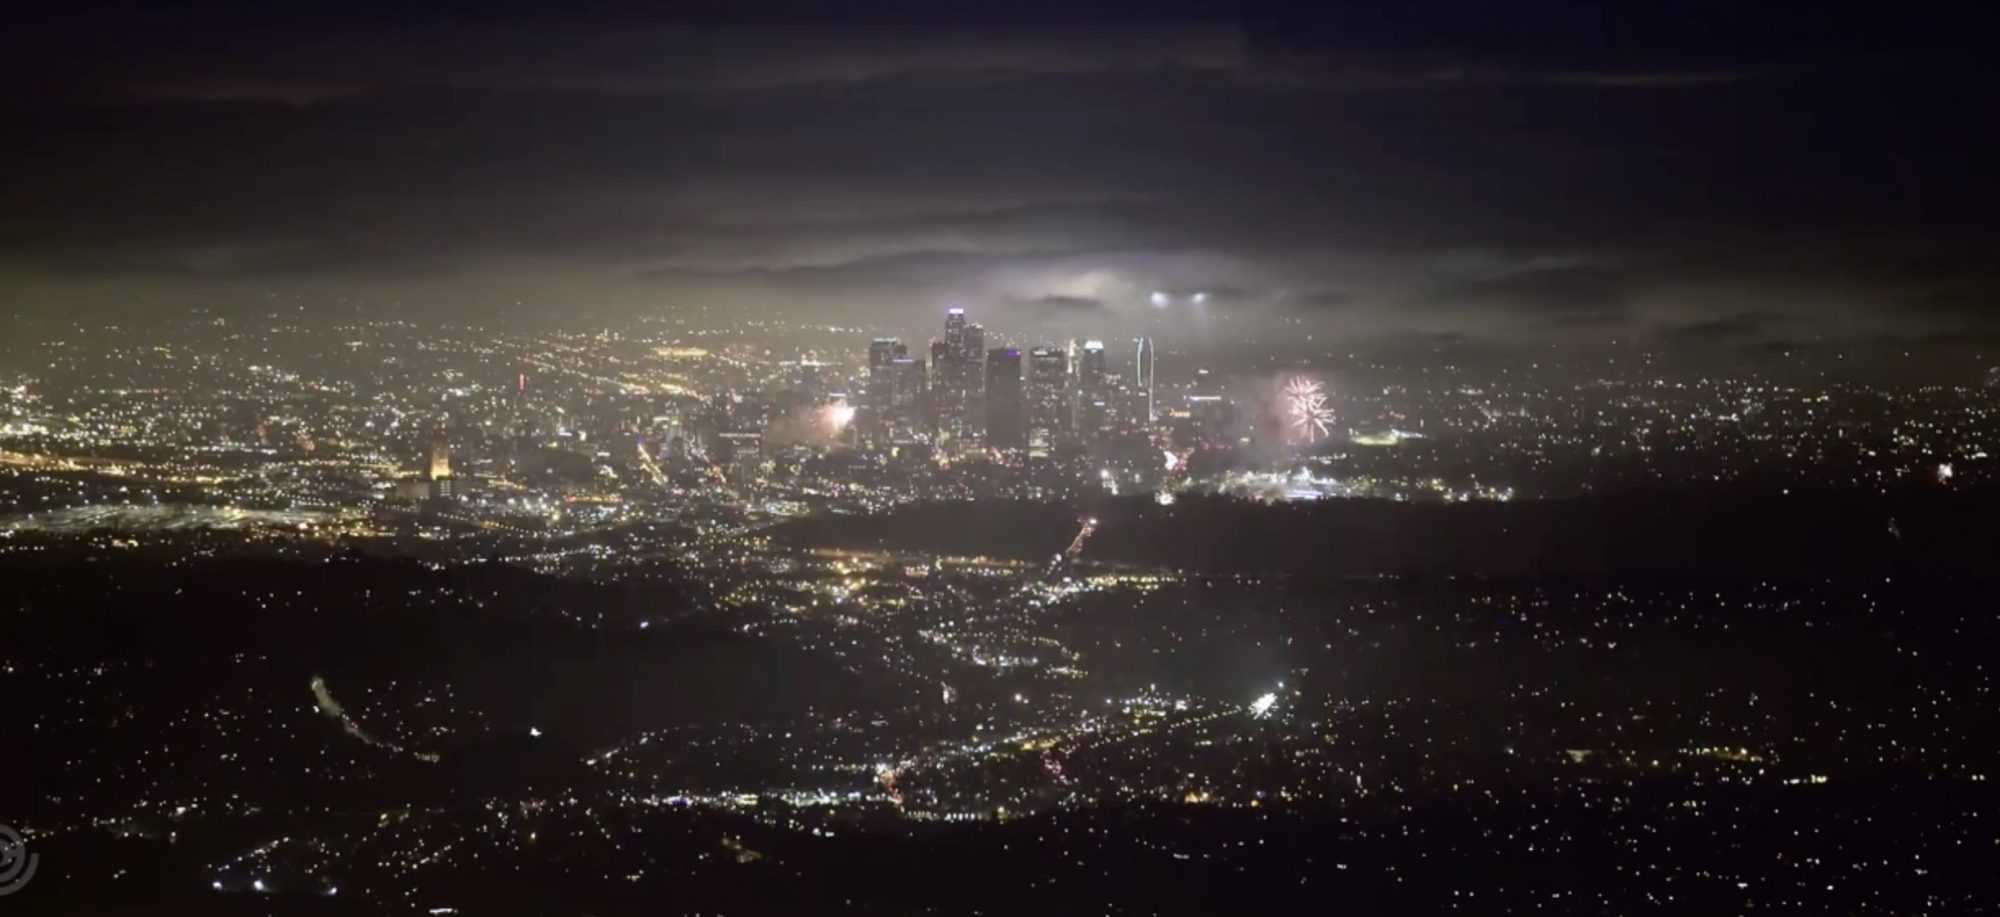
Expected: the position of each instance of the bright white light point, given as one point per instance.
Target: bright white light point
(1159, 298)
(1945, 472)
(1262, 706)
(1164, 498)
(1201, 299)
(1104, 474)
(257, 884)
(534, 732)
(217, 885)
(838, 416)
(645, 624)
(1172, 459)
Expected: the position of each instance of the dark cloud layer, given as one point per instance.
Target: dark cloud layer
(1743, 326)
(1059, 302)
(1488, 169)
(1568, 293)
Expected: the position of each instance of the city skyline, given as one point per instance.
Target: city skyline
(976, 460)
(1042, 395)
(544, 597)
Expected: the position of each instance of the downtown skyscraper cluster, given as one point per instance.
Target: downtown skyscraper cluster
(1034, 400)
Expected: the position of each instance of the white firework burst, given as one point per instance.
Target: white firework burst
(1306, 410)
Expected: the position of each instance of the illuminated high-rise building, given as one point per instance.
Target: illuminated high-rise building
(954, 330)
(1210, 413)
(1006, 410)
(882, 375)
(1144, 360)
(1048, 398)
(906, 377)
(1093, 390)
(975, 356)
(881, 351)
(957, 375)
(943, 409)
(904, 411)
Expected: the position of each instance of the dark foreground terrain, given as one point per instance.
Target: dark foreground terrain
(331, 733)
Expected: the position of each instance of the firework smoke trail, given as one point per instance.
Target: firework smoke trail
(332, 709)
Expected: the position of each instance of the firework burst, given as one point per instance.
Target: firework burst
(1306, 411)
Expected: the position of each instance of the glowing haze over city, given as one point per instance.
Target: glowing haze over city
(895, 458)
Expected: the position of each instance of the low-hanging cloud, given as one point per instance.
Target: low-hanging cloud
(879, 168)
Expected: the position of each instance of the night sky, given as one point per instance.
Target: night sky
(1729, 173)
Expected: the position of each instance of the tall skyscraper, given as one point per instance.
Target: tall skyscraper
(944, 410)
(904, 413)
(1143, 364)
(881, 350)
(1093, 390)
(954, 330)
(975, 355)
(1048, 398)
(1006, 411)
(1210, 413)
(957, 378)
(882, 373)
